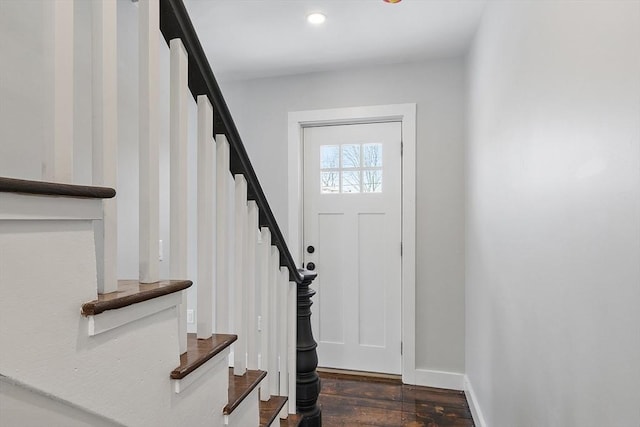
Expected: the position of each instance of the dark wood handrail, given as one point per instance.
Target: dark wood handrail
(175, 23)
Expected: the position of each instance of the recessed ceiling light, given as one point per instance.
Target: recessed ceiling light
(316, 18)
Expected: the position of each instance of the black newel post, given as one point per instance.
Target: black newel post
(308, 382)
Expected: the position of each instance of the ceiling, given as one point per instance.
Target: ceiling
(247, 39)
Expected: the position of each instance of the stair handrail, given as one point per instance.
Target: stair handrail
(176, 23)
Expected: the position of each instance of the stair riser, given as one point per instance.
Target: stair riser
(247, 413)
(112, 319)
(216, 366)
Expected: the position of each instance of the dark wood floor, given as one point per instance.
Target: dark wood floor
(349, 400)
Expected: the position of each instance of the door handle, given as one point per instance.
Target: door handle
(311, 266)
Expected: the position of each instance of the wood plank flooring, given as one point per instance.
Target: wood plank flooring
(349, 400)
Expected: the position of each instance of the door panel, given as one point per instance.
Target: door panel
(331, 254)
(371, 271)
(352, 216)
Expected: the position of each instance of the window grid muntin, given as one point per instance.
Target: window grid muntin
(375, 166)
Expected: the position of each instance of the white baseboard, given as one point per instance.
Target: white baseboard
(439, 379)
(472, 400)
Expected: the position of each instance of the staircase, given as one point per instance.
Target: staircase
(81, 347)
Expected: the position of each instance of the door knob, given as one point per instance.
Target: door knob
(311, 249)
(311, 266)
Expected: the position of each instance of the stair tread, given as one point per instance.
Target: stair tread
(131, 292)
(43, 188)
(293, 420)
(241, 386)
(200, 351)
(270, 409)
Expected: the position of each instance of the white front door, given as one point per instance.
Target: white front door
(352, 234)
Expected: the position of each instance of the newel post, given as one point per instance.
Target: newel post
(308, 382)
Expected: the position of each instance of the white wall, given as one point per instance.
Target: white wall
(22, 406)
(26, 89)
(553, 214)
(260, 109)
(24, 84)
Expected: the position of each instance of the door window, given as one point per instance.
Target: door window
(351, 168)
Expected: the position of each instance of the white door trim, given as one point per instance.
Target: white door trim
(405, 113)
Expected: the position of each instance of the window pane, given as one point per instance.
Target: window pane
(329, 182)
(350, 155)
(372, 181)
(351, 181)
(328, 156)
(372, 154)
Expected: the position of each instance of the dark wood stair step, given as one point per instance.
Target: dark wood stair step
(199, 352)
(293, 420)
(241, 386)
(270, 409)
(132, 292)
(43, 188)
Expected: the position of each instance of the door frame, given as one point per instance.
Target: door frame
(406, 115)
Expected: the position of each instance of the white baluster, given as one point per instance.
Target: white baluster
(206, 217)
(179, 115)
(251, 290)
(283, 327)
(231, 261)
(293, 336)
(264, 277)
(240, 312)
(223, 235)
(105, 136)
(148, 84)
(58, 152)
(274, 333)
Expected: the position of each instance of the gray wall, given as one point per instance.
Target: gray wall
(553, 214)
(260, 109)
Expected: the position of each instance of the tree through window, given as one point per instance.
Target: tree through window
(351, 168)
